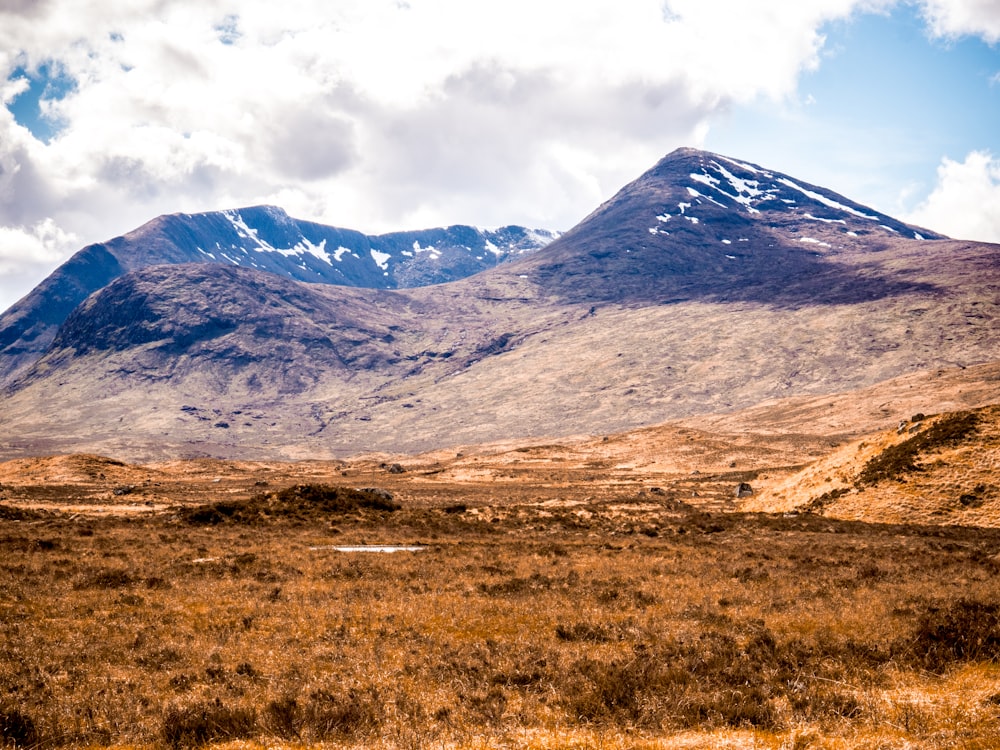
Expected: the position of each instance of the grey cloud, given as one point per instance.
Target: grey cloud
(489, 81)
(183, 62)
(958, 17)
(131, 176)
(28, 8)
(25, 195)
(131, 179)
(494, 129)
(311, 144)
(540, 101)
(18, 279)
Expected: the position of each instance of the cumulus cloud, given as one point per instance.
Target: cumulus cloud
(379, 114)
(965, 203)
(27, 254)
(959, 17)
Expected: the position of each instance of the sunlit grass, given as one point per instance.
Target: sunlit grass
(742, 631)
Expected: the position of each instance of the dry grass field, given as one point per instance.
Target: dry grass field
(560, 600)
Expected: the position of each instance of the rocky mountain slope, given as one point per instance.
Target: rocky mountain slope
(264, 238)
(706, 286)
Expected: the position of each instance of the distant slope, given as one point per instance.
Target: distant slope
(264, 238)
(931, 469)
(611, 327)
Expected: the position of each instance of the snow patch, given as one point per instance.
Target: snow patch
(705, 179)
(829, 202)
(727, 242)
(812, 241)
(747, 191)
(244, 230)
(664, 217)
(303, 247)
(886, 226)
(825, 221)
(381, 259)
(540, 239)
(747, 167)
(435, 254)
(317, 251)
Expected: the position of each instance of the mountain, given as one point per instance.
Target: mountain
(261, 237)
(706, 286)
(703, 226)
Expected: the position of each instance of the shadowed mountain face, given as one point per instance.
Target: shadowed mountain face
(707, 285)
(264, 238)
(177, 321)
(703, 226)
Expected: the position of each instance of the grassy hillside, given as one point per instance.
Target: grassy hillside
(932, 469)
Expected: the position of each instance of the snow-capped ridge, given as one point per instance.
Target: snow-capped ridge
(691, 179)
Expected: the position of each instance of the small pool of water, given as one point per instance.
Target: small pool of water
(370, 548)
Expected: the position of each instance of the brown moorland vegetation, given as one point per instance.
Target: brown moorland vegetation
(203, 603)
(934, 469)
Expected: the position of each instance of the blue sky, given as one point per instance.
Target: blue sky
(887, 103)
(46, 83)
(399, 114)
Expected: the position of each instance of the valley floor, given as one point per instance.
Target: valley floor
(195, 603)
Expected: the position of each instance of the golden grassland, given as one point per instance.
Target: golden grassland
(933, 469)
(539, 616)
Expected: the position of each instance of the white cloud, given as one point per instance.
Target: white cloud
(11, 89)
(378, 114)
(40, 243)
(27, 254)
(965, 204)
(959, 17)
(376, 111)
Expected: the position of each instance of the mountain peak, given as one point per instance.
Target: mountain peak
(699, 224)
(263, 238)
(728, 183)
(707, 284)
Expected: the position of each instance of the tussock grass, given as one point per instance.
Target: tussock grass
(518, 626)
(302, 502)
(903, 458)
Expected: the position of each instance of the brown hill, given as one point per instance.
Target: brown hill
(753, 287)
(260, 237)
(932, 469)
